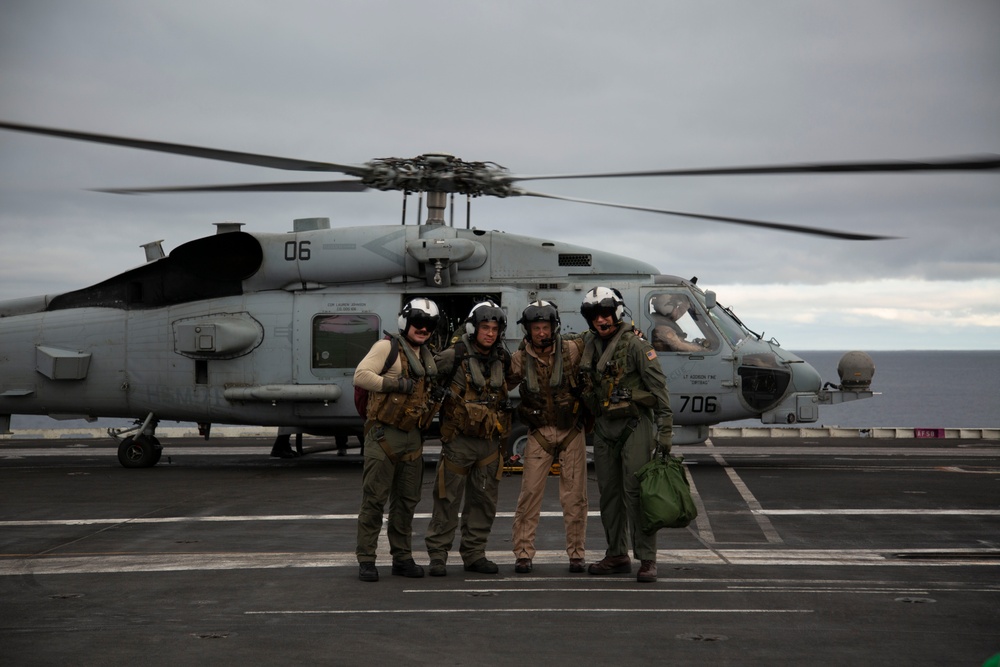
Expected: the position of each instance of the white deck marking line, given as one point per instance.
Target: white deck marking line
(543, 610)
(668, 591)
(226, 518)
(426, 515)
(701, 522)
(382, 546)
(118, 562)
(982, 449)
(878, 512)
(765, 524)
(781, 582)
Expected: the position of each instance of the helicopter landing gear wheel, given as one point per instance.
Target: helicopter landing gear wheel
(141, 451)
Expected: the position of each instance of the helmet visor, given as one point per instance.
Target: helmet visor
(423, 321)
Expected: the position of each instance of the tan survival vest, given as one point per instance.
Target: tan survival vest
(546, 391)
(407, 411)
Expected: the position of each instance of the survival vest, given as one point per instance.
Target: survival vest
(547, 391)
(480, 408)
(614, 386)
(408, 411)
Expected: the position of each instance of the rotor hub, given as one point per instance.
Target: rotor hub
(438, 172)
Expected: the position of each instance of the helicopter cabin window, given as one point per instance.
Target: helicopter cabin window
(679, 325)
(342, 340)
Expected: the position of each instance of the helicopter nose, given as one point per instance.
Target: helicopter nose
(805, 378)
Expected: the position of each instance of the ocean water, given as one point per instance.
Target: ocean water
(919, 388)
(928, 389)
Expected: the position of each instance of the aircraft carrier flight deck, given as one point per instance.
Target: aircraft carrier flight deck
(848, 550)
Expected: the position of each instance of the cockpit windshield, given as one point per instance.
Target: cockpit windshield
(730, 325)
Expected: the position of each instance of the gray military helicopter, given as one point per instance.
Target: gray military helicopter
(267, 328)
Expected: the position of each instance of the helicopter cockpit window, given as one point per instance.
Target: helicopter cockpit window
(731, 329)
(679, 325)
(343, 340)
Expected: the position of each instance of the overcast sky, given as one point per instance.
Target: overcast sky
(539, 87)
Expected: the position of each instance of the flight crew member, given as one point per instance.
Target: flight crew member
(546, 367)
(666, 334)
(400, 405)
(627, 393)
(475, 420)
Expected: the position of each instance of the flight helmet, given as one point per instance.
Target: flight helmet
(600, 299)
(666, 304)
(540, 311)
(419, 312)
(486, 311)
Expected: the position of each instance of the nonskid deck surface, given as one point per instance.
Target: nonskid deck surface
(836, 551)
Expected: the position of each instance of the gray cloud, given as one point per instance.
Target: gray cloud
(539, 87)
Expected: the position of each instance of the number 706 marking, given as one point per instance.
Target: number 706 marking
(699, 404)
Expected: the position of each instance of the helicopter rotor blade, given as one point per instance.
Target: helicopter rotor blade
(798, 229)
(301, 186)
(984, 162)
(254, 159)
(442, 173)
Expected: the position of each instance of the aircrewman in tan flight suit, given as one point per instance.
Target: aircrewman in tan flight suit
(546, 368)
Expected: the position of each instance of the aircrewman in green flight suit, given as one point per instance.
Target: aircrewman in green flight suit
(627, 393)
(475, 420)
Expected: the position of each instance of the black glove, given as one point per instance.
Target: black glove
(401, 385)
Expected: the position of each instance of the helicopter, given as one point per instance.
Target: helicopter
(267, 328)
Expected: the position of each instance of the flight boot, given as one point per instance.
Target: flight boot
(482, 566)
(407, 568)
(367, 572)
(612, 565)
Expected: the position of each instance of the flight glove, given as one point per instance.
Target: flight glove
(663, 440)
(401, 385)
